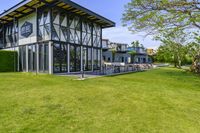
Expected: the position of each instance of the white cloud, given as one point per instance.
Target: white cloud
(122, 35)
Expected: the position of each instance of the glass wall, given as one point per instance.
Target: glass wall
(60, 58)
(77, 32)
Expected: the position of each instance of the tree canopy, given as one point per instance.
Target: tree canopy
(136, 44)
(155, 16)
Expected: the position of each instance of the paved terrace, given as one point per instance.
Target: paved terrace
(110, 70)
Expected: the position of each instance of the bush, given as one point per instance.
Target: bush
(8, 61)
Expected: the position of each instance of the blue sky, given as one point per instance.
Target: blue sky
(111, 9)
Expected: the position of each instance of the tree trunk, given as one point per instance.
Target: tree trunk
(179, 62)
(195, 67)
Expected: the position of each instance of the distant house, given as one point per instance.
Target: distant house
(120, 52)
(141, 55)
(114, 52)
(150, 51)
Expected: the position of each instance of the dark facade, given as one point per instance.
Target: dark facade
(53, 36)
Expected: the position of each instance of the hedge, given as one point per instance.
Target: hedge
(7, 61)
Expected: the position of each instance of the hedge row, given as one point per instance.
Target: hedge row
(8, 61)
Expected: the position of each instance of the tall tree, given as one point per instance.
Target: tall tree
(164, 54)
(132, 53)
(113, 51)
(174, 45)
(155, 16)
(135, 44)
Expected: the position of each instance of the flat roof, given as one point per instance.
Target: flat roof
(26, 7)
(118, 43)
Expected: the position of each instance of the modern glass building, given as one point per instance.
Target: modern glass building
(53, 36)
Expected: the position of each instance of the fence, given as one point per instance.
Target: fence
(114, 69)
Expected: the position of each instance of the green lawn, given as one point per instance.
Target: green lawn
(163, 100)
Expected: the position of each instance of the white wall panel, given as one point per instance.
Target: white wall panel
(31, 38)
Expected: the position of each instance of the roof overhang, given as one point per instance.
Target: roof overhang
(28, 6)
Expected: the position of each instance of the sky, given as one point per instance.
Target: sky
(111, 9)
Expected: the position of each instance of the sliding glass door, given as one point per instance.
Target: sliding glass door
(75, 58)
(60, 58)
(22, 58)
(32, 58)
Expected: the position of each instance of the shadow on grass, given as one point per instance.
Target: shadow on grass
(120, 74)
(176, 72)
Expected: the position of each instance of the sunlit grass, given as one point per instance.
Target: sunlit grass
(163, 100)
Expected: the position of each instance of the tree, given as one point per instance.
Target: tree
(194, 52)
(155, 16)
(113, 50)
(174, 47)
(164, 54)
(166, 17)
(132, 53)
(135, 44)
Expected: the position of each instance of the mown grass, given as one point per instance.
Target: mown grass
(164, 100)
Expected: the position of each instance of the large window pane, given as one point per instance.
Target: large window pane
(85, 58)
(56, 57)
(72, 58)
(78, 58)
(32, 58)
(97, 59)
(89, 59)
(63, 57)
(44, 25)
(75, 58)
(46, 57)
(22, 62)
(95, 55)
(43, 57)
(75, 34)
(60, 58)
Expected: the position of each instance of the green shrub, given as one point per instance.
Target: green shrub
(8, 61)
